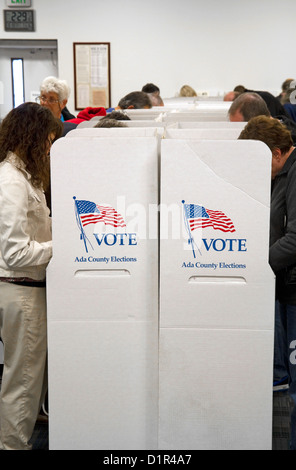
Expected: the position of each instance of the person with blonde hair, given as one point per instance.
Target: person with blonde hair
(187, 91)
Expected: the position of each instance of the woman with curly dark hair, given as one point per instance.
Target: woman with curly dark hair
(26, 136)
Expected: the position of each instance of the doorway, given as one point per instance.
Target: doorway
(39, 58)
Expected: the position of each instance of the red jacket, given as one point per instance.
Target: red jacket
(87, 114)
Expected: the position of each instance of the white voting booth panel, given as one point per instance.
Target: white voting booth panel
(203, 134)
(202, 115)
(210, 125)
(216, 296)
(102, 288)
(145, 123)
(146, 114)
(117, 132)
(131, 123)
(91, 123)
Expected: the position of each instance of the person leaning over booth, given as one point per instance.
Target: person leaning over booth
(282, 251)
(26, 136)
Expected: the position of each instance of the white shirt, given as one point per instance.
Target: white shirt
(25, 224)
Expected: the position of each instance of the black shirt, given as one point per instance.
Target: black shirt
(282, 251)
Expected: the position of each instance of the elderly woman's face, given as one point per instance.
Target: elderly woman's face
(51, 101)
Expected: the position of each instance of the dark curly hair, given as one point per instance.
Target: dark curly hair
(25, 131)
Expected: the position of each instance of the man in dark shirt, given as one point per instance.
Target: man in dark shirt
(282, 251)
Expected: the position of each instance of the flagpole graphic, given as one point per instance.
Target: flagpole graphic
(196, 216)
(190, 240)
(88, 212)
(82, 232)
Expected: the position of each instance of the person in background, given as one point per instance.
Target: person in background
(26, 136)
(248, 105)
(154, 94)
(134, 100)
(111, 117)
(110, 123)
(119, 115)
(286, 85)
(282, 250)
(54, 95)
(273, 104)
(187, 91)
(231, 95)
(289, 102)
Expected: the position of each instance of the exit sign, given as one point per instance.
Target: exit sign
(18, 3)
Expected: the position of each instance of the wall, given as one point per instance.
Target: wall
(210, 44)
(38, 63)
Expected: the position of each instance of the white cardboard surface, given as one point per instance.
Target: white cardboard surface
(114, 131)
(216, 309)
(211, 124)
(200, 115)
(202, 133)
(103, 315)
(215, 325)
(206, 400)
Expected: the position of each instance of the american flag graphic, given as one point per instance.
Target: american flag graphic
(91, 213)
(200, 217)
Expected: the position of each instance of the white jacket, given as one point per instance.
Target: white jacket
(25, 225)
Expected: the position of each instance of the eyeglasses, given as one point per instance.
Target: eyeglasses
(43, 99)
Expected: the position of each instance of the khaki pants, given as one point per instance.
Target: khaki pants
(23, 332)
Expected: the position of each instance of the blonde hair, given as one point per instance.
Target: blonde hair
(188, 91)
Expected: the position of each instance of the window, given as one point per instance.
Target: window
(18, 90)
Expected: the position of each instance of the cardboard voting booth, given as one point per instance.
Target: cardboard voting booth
(202, 115)
(160, 325)
(115, 132)
(102, 287)
(210, 124)
(203, 133)
(216, 296)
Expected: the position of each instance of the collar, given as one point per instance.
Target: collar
(290, 161)
(14, 160)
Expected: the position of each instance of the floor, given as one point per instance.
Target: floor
(282, 406)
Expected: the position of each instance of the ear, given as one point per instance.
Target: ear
(63, 103)
(277, 154)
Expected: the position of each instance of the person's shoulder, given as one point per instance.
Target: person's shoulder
(68, 126)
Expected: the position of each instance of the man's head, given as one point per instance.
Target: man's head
(246, 106)
(274, 134)
(287, 84)
(231, 95)
(135, 100)
(54, 94)
(154, 94)
(151, 88)
(119, 115)
(110, 123)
